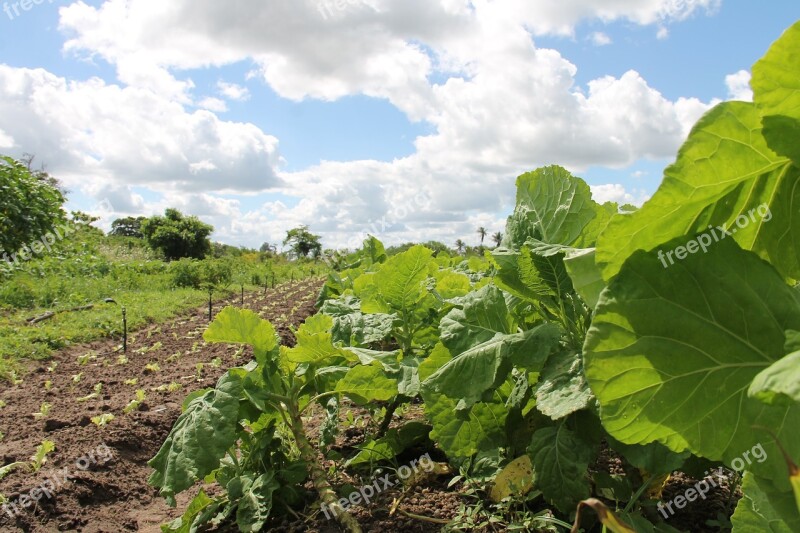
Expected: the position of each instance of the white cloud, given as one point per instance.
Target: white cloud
(662, 33)
(6, 140)
(599, 38)
(614, 192)
(131, 136)
(497, 104)
(739, 86)
(233, 91)
(213, 104)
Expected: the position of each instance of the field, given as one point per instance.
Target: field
(167, 361)
(604, 368)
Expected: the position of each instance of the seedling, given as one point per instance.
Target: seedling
(135, 403)
(199, 368)
(44, 410)
(174, 357)
(40, 457)
(52, 367)
(6, 470)
(97, 389)
(152, 367)
(132, 382)
(76, 378)
(122, 360)
(2, 404)
(13, 378)
(48, 385)
(216, 362)
(103, 419)
(84, 359)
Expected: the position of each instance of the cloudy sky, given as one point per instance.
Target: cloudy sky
(407, 119)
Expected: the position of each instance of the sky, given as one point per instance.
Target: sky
(405, 119)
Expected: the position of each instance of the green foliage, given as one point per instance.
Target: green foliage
(177, 236)
(31, 203)
(128, 227)
(303, 242)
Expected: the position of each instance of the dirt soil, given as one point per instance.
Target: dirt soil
(96, 479)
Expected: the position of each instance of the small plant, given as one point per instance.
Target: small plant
(103, 419)
(216, 362)
(44, 410)
(84, 359)
(132, 382)
(76, 378)
(6, 470)
(13, 378)
(152, 368)
(48, 385)
(40, 457)
(174, 357)
(52, 366)
(135, 403)
(2, 404)
(122, 360)
(97, 390)
(199, 369)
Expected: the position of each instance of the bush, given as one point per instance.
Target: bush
(18, 293)
(186, 273)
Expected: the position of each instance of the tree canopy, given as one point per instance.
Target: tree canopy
(177, 235)
(303, 242)
(128, 227)
(30, 205)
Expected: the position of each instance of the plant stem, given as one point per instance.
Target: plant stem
(384, 427)
(326, 494)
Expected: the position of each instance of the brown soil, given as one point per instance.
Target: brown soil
(98, 475)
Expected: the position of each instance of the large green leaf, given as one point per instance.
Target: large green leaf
(242, 326)
(314, 342)
(671, 353)
(462, 434)
(398, 286)
(780, 383)
(396, 441)
(562, 388)
(255, 505)
(552, 206)
(368, 384)
(776, 92)
(560, 464)
(482, 316)
(762, 509)
(485, 367)
(724, 173)
(200, 438)
(587, 277)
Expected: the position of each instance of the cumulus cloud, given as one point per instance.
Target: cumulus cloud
(614, 192)
(497, 104)
(131, 136)
(599, 38)
(233, 91)
(739, 86)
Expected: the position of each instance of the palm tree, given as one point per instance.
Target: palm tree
(482, 233)
(497, 238)
(460, 246)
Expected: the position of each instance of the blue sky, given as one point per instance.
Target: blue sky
(261, 118)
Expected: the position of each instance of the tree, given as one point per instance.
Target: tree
(128, 227)
(30, 205)
(497, 238)
(482, 233)
(268, 248)
(177, 235)
(302, 241)
(460, 246)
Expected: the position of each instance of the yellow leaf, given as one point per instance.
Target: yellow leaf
(516, 478)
